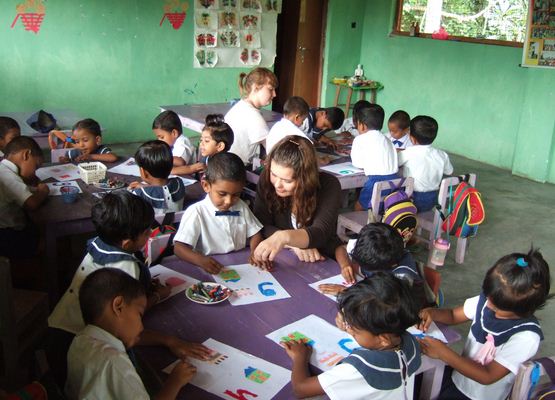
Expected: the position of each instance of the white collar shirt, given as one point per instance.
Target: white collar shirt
(426, 165)
(374, 153)
(13, 194)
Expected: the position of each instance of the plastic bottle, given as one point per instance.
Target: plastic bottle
(438, 253)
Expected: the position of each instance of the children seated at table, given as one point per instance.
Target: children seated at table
(9, 129)
(222, 222)
(155, 162)
(216, 137)
(348, 129)
(295, 111)
(88, 144)
(112, 304)
(379, 247)
(321, 120)
(122, 221)
(504, 331)
(376, 312)
(424, 163)
(167, 128)
(398, 130)
(372, 152)
(18, 238)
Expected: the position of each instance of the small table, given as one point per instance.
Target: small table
(193, 116)
(245, 327)
(373, 88)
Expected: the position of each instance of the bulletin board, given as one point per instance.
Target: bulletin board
(539, 46)
(235, 33)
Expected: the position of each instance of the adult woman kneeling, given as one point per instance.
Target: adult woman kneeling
(297, 204)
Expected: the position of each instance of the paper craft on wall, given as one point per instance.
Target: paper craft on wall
(176, 281)
(228, 3)
(32, 14)
(228, 20)
(250, 284)
(251, 5)
(55, 187)
(229, 38)
(330, 344)
(272, 6)
(250, 21)
(206, 4)
(207, 58)
(250, 39)
(233, 374)
(250, 57)
(128, 167)
(539, 46)
(175, 12)
(207, 20)
(208, 39)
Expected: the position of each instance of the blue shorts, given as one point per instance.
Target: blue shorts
(425, 201)
(366, 193)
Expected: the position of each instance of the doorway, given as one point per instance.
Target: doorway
(301, 30)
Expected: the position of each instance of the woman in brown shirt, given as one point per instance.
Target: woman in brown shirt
(297, 204)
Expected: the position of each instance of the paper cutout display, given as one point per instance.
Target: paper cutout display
(330, 344)
(128, 167)
(208, 39)
(251, 5)
(229, 39)
(177, 281)
(272, 6)
(250, 285)
(236, 374)
(229, 3)
(250, 21)
(55, 187)
(251, 39)
(175, 12)
(250, 57)
(207, 58)
(228, 20)
(206, 4)
(32, 14)
(206, 20)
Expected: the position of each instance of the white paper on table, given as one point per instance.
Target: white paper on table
(55, 187)
(230, 370)
(128, 167)
(345, 168)
(176, 280)
(186, 181)
(250, 284)
(433, 331)
(60, 172)
(336, 280)
(330, 344)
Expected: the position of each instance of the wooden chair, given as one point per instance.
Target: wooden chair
(430, 221)
(23, 324)
(355, 220)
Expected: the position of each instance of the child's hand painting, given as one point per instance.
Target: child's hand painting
(297, 350)
(182, 349)
(426, 318)
(331, 288)
(210, 265)
(183, 373)
(348, 273)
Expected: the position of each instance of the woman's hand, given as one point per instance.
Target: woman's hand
(263, 265)
(308, 255)
(268, 249)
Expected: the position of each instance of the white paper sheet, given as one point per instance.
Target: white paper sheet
(128, 167)
(433, 331)
(231, 372)
(177, 281)
(337, 280)
(56, 186)
(330, 344)
(345, 168)
(61, 172)
(186, 181)
(250, 284)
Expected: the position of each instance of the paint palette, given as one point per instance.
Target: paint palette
(208, 293)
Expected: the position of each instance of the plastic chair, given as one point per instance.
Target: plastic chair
(354, 221)
(23, 323)
(430, 221)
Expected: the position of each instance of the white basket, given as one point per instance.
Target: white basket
(92, 172)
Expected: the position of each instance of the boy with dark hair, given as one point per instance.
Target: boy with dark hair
(398, 130)
(295, 111)
(9, 129)
(155, 162)
(23, 156)
(348, 128)
(376, 312)
(322, 120)
(220, 223)
(372, 152)
(426, 164)
(88, 144)
(122, 221)
(112, 304)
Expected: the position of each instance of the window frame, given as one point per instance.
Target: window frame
(398, 32)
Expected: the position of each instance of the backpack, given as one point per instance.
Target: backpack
(465, 210)
(400, 211)
(526, 383)
(160, 241)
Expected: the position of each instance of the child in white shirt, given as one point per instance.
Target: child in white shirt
(295, 111)
(372, 151)
(222, 222)
(424, 163)
(398, 130)
(376, 312)
(112, 304)
(348, 129)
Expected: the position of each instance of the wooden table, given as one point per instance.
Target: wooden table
(373, 88)
(245, 327)
(193, 116)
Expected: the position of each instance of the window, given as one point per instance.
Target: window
(483, 21)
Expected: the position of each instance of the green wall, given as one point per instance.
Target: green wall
(109, 60)
(488, 108)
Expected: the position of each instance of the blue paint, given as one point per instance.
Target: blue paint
(266, 292)
(343, 344)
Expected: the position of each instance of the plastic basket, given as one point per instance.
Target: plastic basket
(92, 172)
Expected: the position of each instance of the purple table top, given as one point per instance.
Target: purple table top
(243, 327)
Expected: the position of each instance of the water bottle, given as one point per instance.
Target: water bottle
(438, 253)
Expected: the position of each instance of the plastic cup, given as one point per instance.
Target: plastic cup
(69, 194)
